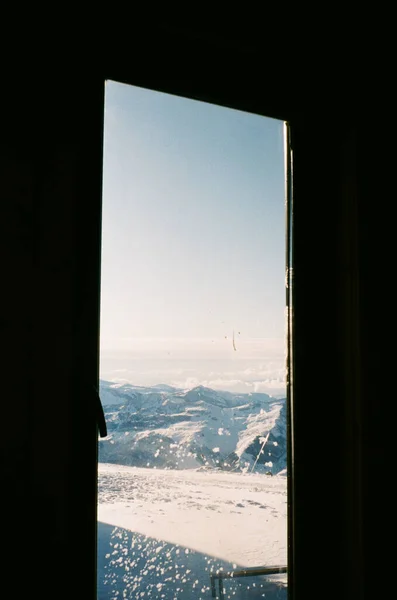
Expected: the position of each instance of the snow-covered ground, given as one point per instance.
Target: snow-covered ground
(161, 533)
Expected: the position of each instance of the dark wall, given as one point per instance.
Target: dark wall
(51, 160)
(51, 153)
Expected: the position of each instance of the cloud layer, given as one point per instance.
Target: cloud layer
(233, 373)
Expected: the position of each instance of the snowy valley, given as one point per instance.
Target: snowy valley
(184, 492)
(168, 428)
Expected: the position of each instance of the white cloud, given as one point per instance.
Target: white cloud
(233, 373)
(234, 385)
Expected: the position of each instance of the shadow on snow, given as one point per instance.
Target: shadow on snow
(132, 566)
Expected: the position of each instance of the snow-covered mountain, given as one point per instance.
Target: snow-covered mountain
(165, 427)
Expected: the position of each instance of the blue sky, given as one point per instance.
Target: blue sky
(193, 238)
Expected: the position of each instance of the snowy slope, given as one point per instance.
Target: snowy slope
(161, 534)
(164, 427)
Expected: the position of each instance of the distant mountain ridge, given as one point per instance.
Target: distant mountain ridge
(166, 427)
